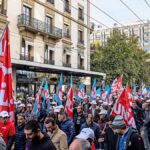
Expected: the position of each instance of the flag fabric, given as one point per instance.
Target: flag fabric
(93, 92)
(98, 92)
(37, 104)
(6, 91)
(81, 91)
(122, 108)
(45, 94)
(58, 96)
(117, 87)
(69, 103)
(129, 93)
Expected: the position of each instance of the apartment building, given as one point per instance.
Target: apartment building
(142, 31)
(47, 36)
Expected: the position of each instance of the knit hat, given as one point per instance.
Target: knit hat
(118, 123)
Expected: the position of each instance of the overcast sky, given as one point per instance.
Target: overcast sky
(118, 11)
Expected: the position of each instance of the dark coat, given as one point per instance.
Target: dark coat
(44, 144)
(20, 138)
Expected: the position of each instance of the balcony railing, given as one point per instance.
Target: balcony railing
(2, 11)
(81, 17)
(48, 61)
(36, 25)
(67, 65)
(67, 35)
(81, 67)
(67, 9)
(81, 41)
(50, 1)
(26, 57)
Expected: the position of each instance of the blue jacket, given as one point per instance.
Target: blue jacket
(68, 127)
(20, 138)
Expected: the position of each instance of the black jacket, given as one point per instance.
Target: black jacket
(44, 144)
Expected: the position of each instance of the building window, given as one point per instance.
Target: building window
(27, 11)
(81, 62)
(68, 59)
(66, 31)
(80, 37)
(80, 14)
(49, 22)
(66, 6)
(26, 51)
(50, 1)
(49, 55)
(3, 7)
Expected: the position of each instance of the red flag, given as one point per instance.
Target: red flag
(6, 92)
(117, 87)
(129, 93)
(122, 108)
(69, 103)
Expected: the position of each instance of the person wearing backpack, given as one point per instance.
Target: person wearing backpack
(128, 138)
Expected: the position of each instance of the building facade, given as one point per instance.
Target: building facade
(47, 36)
(142, 31)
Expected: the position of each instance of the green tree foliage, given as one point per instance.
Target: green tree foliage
(122, 55)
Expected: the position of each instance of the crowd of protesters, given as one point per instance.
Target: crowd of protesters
(92, 127)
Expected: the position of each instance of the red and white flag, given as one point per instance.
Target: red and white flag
(6, 92)
(69, 103)
(122, 108)
(117, 87)
(129, 93)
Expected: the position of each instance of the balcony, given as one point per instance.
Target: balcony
(48, 61)
(67, 9)
(81, 67)
(66, 65)
(26, 57)
(36, 26)
(81, 42)
(67, 35)
(81, 17)
(50, 1)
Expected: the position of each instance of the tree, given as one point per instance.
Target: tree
(122, 55)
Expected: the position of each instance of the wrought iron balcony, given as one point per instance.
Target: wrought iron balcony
(81, 17)
(26, 57)
(67, 9)
(81, 67)
(67, 35)
(67, 65)
(50, 1)
(48, 61)
(37, 26)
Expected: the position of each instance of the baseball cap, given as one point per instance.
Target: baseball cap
(118, 123)
(22, 105)
(4, 114)
(86, 133)
(103, 112)
(29, 105)
(93, 102)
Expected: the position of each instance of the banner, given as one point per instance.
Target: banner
(6, 92)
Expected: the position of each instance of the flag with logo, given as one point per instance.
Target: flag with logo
(6, 92)
(122, 108)
(69, 103)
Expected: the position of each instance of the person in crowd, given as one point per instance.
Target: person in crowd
(67, 126)
(103, 125)
(94, 126)
(20, 138)
(138, 115)
(21, 108)
(78, 119)
(86, 105)
(129, 139)
(110, 136)
(36, 140)
(80, 144)
(87, 134)
(2, 144)
(29, 115)
(57, 136)
(94, 110)
(7, 129)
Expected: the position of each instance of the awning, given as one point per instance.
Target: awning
(47, 68)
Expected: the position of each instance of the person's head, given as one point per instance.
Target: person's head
(134, 105)
(110, 120)
(80, 144)
(20, 119)
(4, 116)
(93, 103)
(32, 131)
(79, 109)
(62, 116)
(103, 114)
(89, 119)
(118, 125)
(29, 107)
(50, 124)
